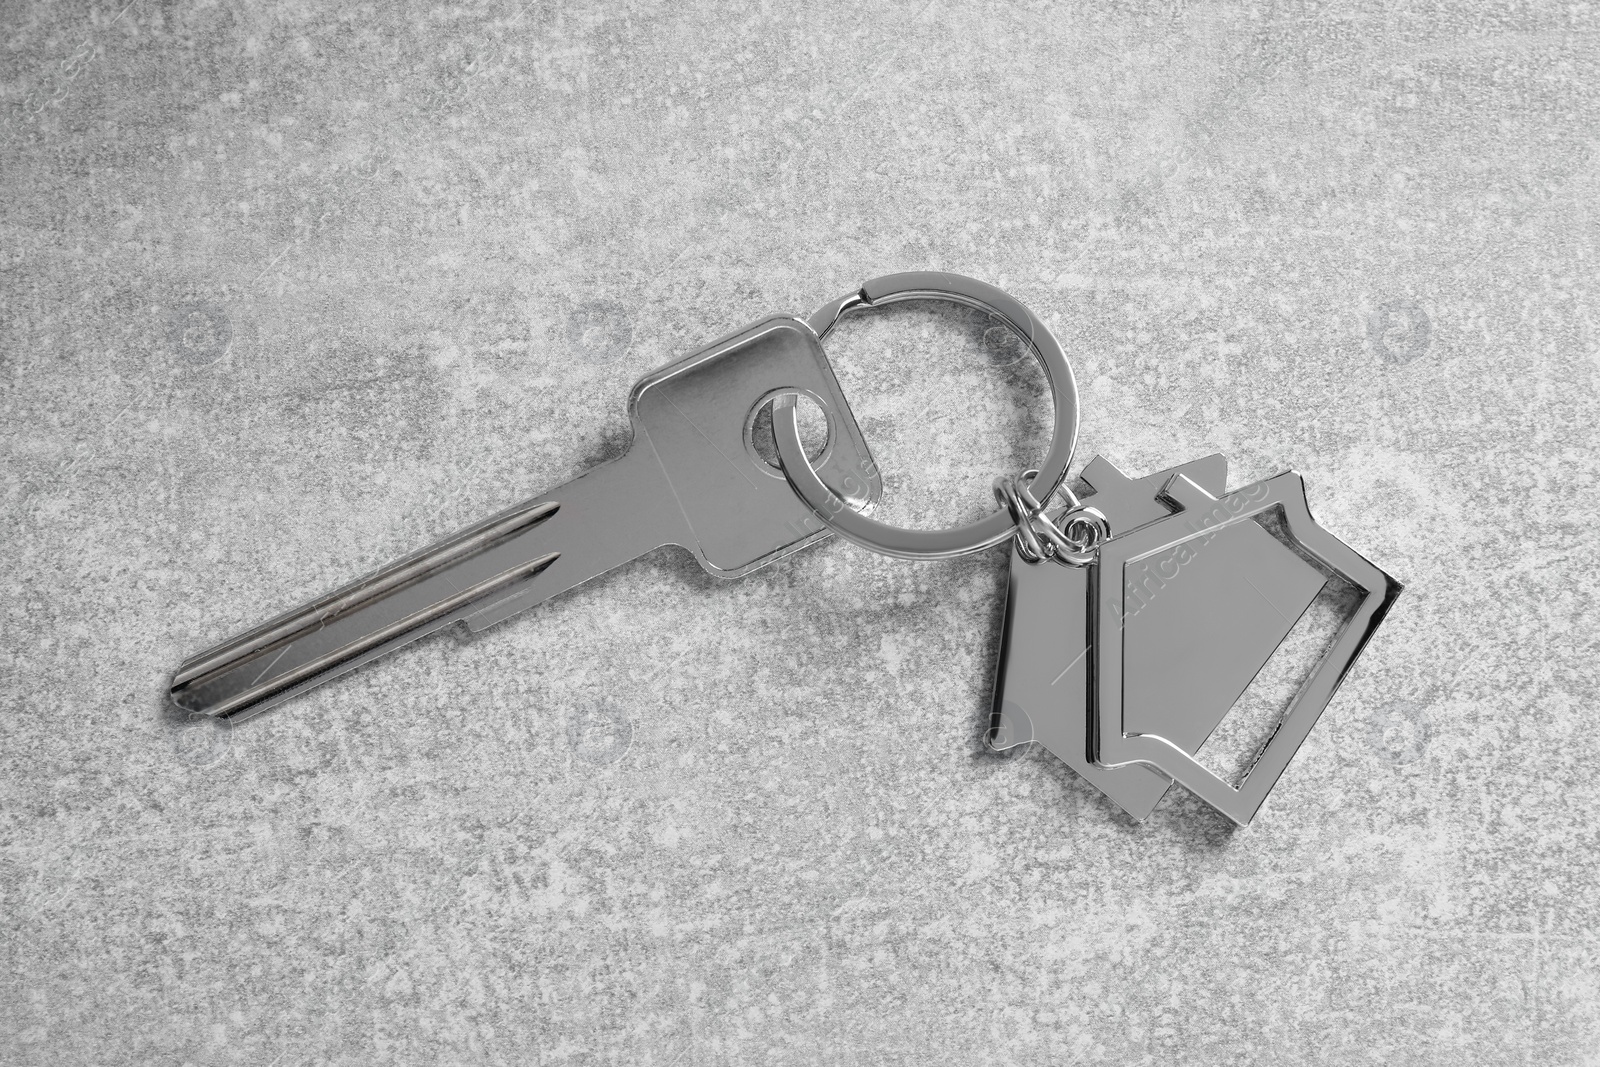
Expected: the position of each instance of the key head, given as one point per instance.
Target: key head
(697, 416)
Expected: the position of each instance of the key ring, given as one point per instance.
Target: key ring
(960, 540)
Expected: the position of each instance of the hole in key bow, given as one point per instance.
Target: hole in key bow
(815, 431)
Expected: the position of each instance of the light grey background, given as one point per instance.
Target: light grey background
(291, 289)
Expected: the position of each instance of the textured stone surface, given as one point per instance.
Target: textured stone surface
(291, 289)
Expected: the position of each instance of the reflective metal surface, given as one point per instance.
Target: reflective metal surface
(1042, 678)
(974, 537)
(689, 478)
(1200, 620)
(1188, 608)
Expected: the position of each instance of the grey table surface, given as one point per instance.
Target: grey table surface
(293, 289)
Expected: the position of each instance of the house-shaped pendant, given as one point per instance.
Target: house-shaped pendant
(1125, 667)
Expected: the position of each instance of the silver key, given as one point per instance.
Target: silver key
(692, 477)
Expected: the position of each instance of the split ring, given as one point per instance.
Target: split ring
(960, 540)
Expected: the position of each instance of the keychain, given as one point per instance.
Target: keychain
(1133, 622)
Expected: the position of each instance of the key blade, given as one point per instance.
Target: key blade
(505, 564)
(407, 627)
(397, 575)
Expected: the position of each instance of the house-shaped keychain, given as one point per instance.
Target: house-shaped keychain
(1125, 667)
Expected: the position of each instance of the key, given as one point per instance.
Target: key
(692, 477)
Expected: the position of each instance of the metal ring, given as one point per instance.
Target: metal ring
(1024, 490)
(1081, 550)
(1028, 545)
(973, 537)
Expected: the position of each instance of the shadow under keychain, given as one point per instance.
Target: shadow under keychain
(1137, 617)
